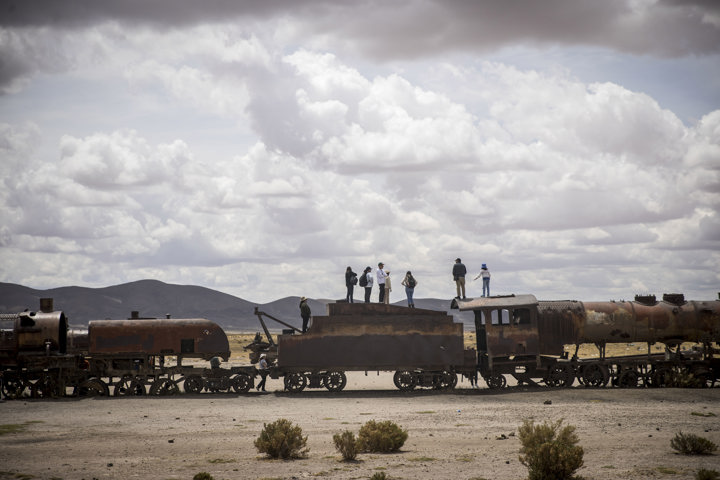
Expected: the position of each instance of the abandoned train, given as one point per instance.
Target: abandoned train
(517, 336)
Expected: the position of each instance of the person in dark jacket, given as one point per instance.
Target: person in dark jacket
(366, 281)
(459, 271)
(350, 281)
(304, 313)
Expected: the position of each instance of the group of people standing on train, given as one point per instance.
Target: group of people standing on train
(368, 277)
(381, 277)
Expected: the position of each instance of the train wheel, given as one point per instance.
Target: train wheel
(193, 384)
(334, 381)
(129, 385)
(164, 386)
(241, 383)
(594, 375)
(559, 375)
(295, 382)
(12, 386)
(404, 380)
(92, 387)
(628, 379)
(496, 381)
(660, 377)
(448, 380)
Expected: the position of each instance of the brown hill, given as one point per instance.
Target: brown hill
(152, 298)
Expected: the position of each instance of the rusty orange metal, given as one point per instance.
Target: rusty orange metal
(189, 337)
(370, 336)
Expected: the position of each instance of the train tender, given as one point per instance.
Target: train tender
(39, 356)
(519, 336)
(423, 347)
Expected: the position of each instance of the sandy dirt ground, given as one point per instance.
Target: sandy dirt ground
(463, 434)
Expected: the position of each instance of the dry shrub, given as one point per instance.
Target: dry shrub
(381, 437)
(203, 476)
(282, 439)
(379, 476)
(690, 444)
(346, 444)
(704, 474)
(549, 451)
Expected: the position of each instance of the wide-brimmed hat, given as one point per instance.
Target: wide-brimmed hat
(302, 299)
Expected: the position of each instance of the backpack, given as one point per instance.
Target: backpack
(411, 282)
(353, 280)
(363, 280)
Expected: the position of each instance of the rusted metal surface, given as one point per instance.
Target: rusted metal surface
(360, 336)
(662, 322)
(190, 338)
(41, 331)
(671, 321)
(509, 325)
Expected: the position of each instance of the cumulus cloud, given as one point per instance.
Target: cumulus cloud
(270, 158)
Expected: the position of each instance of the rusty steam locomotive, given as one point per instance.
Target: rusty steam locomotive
(517, 337)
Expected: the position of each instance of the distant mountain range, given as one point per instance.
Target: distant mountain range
(152, 298)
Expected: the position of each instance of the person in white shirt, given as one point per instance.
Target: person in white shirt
(381, 276)
(485, 274)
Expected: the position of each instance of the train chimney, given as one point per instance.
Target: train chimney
(167, 315)
(674, 298)
(46, 305)
(134, 315)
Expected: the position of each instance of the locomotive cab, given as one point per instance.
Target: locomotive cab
(506, 326)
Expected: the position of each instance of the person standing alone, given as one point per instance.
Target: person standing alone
(459, 271)
(409, 282)
(304, 313)
(381, 276)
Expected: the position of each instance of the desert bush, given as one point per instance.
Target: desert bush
(690, 444)
(282, 439)
(379, 476)
(549, 451)
(203, 476)
(381, 437)
(704, 474)
(683, 379)
(346, 444)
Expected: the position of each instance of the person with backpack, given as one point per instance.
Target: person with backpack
(366, 281)
(409, 282)
(351, 279)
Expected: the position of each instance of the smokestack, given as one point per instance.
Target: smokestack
(46, 305)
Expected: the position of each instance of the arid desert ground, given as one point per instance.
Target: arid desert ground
(465, 434)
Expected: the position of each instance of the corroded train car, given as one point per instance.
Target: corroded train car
(39, 356)
(525, 338)
(423, 347)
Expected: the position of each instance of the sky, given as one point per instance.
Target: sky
(259, 148)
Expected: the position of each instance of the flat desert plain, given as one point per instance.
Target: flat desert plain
(464, 434)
